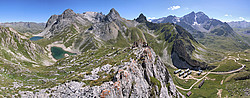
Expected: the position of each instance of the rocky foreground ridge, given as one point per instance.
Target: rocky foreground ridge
(140, 74)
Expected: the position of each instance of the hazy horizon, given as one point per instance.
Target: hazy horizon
(40, 10)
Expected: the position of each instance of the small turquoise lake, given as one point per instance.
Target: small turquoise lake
(35, 38)
(59, 53)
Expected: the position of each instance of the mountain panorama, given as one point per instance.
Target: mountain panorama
(204, 28)
(95, 55)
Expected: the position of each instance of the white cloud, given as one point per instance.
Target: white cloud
(150, 18)
(241, 18)
(174, 7)
(227, 15)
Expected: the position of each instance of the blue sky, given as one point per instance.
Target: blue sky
(41, 10)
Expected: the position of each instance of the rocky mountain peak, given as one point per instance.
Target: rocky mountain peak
(190, 18)
(113, 11)
(201, 17)
(68, 13)
(200, 13)
(192, 13)
(141, 18)
(113, 15)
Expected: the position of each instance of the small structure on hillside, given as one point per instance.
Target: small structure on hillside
(202, 82)
(187, 70)
(177, 71)
(185, 75)
(199, 73)
(189, 93)
(181, 73)
(145, 44)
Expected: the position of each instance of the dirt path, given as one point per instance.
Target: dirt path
(232, 71)
(219, 92)
(198, 80)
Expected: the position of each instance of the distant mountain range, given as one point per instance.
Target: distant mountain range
(242, 28)
(210, 32)
(239, 24)
(199, 22)
(25, 27)
(114, 57)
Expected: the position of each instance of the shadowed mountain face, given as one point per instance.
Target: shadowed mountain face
(210, 32)
(182, 43)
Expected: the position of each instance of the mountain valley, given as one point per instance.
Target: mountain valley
(95, 55)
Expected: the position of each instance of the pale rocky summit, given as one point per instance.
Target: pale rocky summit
(113, 15)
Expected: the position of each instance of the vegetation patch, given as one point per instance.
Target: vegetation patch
(228, 65)
(156, 82)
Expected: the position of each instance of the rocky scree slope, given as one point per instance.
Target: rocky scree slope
(136, 72)
(211, 32)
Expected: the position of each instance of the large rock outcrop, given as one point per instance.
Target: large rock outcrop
(147, 77)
